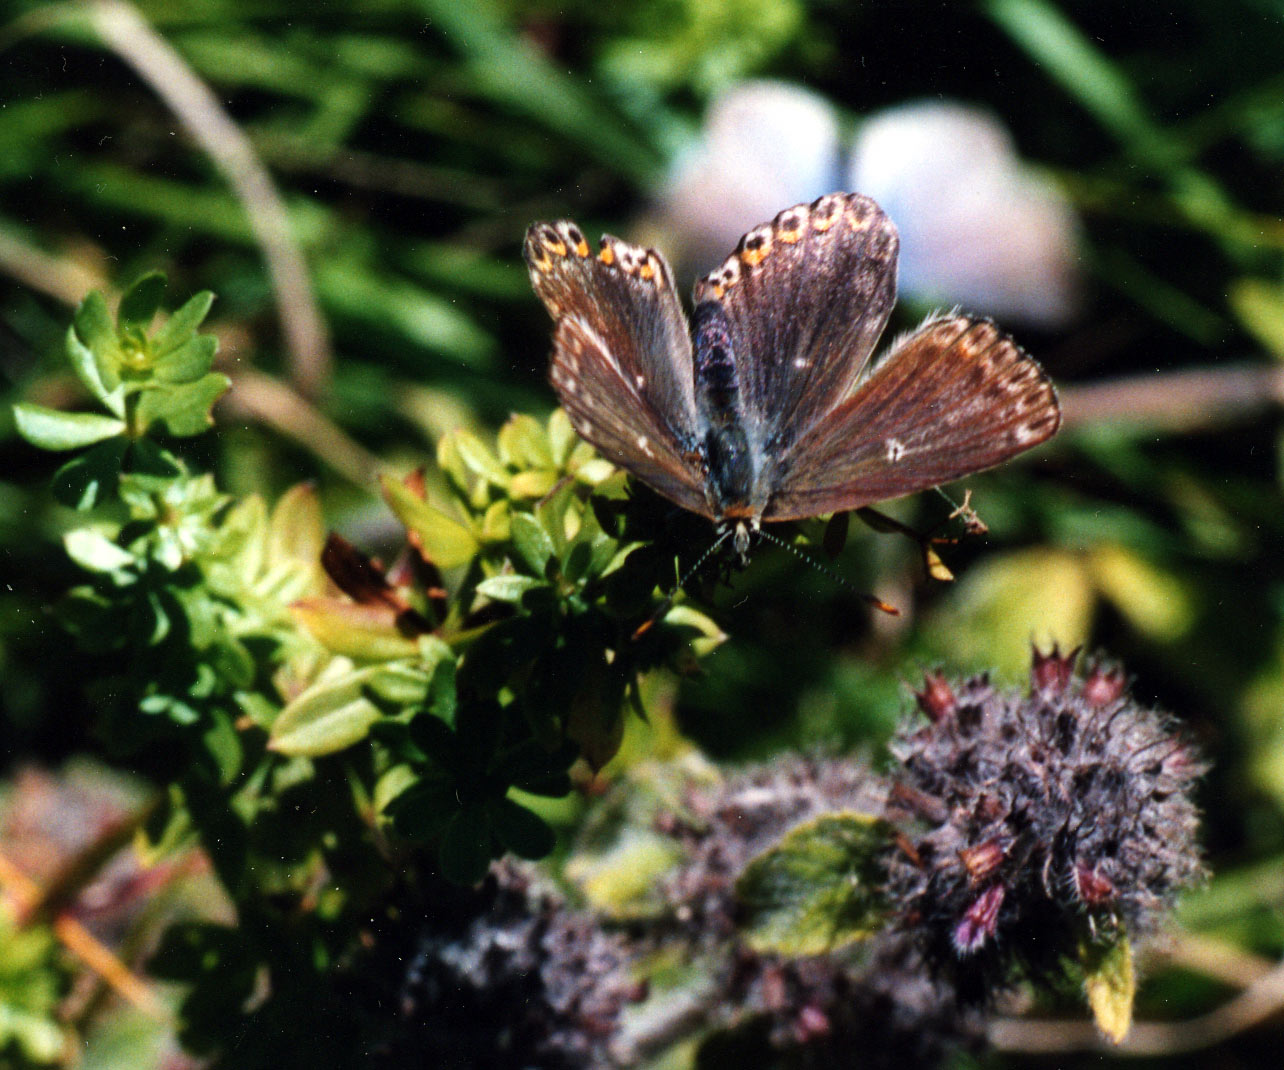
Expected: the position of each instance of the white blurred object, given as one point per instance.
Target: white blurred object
(977, 228)
(765, 146)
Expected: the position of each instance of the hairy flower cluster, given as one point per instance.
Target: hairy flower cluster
(1050, 816)
(507, 977)
(728, 824)
(876, 999)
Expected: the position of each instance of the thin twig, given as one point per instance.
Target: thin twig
(1180, 401)
(122, 28)
(288, 413)
(1218, 959)
(59, 277)
(27, 897)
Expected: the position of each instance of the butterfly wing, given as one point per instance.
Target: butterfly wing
(621, 362)
(806, 297)
(953, 398)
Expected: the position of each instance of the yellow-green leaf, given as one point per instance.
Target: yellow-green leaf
(1155, 602)
(817, 889)
(445, 540)
(296, 531)
(710, 635)
(330, 715)
(523, 443)
(1110, 984)
(534, 483)
(1259, 304)
(480, 459)
(561, 437)
(364, 632)
(52, 429)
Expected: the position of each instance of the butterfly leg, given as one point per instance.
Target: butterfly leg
(927, 541)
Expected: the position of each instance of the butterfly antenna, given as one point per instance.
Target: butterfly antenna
(877, 603)
(667, 604)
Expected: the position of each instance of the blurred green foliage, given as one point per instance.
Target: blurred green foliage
(412, 142)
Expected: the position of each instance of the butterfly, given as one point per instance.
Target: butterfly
(766, 407)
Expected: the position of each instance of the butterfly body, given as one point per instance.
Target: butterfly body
(729, 447)
(764, 409)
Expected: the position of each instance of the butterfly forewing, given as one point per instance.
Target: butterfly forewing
(621, 355)
(806, 298)
(955, 397)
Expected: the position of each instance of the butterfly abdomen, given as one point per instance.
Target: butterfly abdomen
(728, 456)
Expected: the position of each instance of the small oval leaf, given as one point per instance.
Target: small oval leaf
(329, 716)
(508, 588)
(51, 429)
(533, 544)
(442, 539)
(95, 552)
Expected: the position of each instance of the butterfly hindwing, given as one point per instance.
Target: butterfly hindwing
(806, 297)
(955, 397)
(621, 362)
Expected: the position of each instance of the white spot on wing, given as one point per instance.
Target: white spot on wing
(644, 444)
(895, 450)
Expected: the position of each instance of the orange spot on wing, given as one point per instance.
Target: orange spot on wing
(607, 255)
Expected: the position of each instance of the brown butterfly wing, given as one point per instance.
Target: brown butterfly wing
(621, 362)
(955, 397)
(806, 298)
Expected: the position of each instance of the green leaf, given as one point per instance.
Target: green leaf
(95, 377)
(442, 694)
(95, 552)
(83, 481)
(93, 325)
(50, 429)
(1110, 984)
(710, 635)
(139, 305)
(188, 362)
(533, 484)
(364, 632)
(817, 889)
(465, 851)
(1154, 601)
(533, 544)
(1259, 304)
(332, 714)
(595, 470)
(444, 540)
(184, 408)
(508, 588)
(551, 514)
(562, 438)
(522, 831)
(401, 685)
(480, 460)
(523, 443)
(182, 324)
